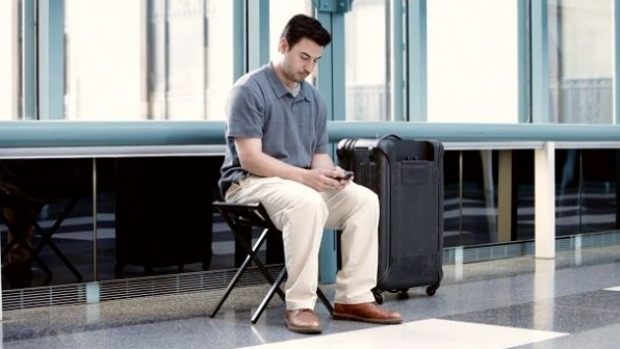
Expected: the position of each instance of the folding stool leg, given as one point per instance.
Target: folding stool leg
(273, 289)
(252, 256)
(256, 216)
(58, 253)
(324, 300)
(46, 239)
(231, 285)
(240, 252)
(253, 252)
(33, 256)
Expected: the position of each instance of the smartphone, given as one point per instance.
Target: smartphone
(347, 175)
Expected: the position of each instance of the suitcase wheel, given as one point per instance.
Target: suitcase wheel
(403, 294)
(430, 290)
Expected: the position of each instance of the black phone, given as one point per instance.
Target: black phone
(347, 175)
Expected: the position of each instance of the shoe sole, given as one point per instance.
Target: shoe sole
(304, 330)
(337, 316)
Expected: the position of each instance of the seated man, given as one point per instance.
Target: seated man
(278, 154)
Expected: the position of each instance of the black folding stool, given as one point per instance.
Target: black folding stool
(46, 237)
(238, 217)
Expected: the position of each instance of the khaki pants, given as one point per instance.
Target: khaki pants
(302, 214)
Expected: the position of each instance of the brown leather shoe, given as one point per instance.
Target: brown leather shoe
(367, 312)
(303, 321)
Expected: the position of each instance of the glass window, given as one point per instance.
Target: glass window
(367, 91)
(9, 60)
(472, 61)
(159, 60)
(280, 11)
(219, 52)
(105, 60)
(581, 55)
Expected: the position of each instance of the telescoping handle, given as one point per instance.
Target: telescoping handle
(393, 136)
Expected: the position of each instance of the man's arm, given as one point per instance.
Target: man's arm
(321, 177)
(322, 160)
(253, 160)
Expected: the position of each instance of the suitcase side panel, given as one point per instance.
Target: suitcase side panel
(408, 178)
(411, 242)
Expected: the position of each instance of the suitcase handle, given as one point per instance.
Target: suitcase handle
(349, 143)
(391, 136)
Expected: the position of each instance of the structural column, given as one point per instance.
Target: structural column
(331, 83)
(544, 188)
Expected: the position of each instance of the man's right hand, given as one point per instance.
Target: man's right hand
(325, 179)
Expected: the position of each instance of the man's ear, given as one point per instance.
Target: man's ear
(283, 45)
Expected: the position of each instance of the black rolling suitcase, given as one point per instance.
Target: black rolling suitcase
(407, 175)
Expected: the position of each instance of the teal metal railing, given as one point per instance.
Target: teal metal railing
(34, 134)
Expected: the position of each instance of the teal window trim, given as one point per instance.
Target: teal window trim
(331, 77)
(417, 87)
(540, 62)
(616, 61)
(250, 35)
(239, 39)
(257, 33)
(28, 61)
(396, 11)
(523, 49)
(51, 77)
(331, 83)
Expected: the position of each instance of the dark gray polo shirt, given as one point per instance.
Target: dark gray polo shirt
(292, 128)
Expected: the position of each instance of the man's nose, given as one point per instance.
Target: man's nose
(309, 66)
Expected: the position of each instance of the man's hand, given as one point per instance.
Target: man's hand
(326, 179)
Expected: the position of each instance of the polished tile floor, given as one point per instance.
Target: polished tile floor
(572, 301)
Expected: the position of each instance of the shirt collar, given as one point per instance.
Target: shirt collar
(278, 86)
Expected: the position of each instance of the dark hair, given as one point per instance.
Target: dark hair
(302, 26)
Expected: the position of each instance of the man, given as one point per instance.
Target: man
(278, 154)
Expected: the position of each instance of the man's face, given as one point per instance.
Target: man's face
(299, 61)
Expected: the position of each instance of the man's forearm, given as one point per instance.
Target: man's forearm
(322, 160)
(267, 166)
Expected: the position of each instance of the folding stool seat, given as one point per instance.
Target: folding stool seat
(239, 217)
